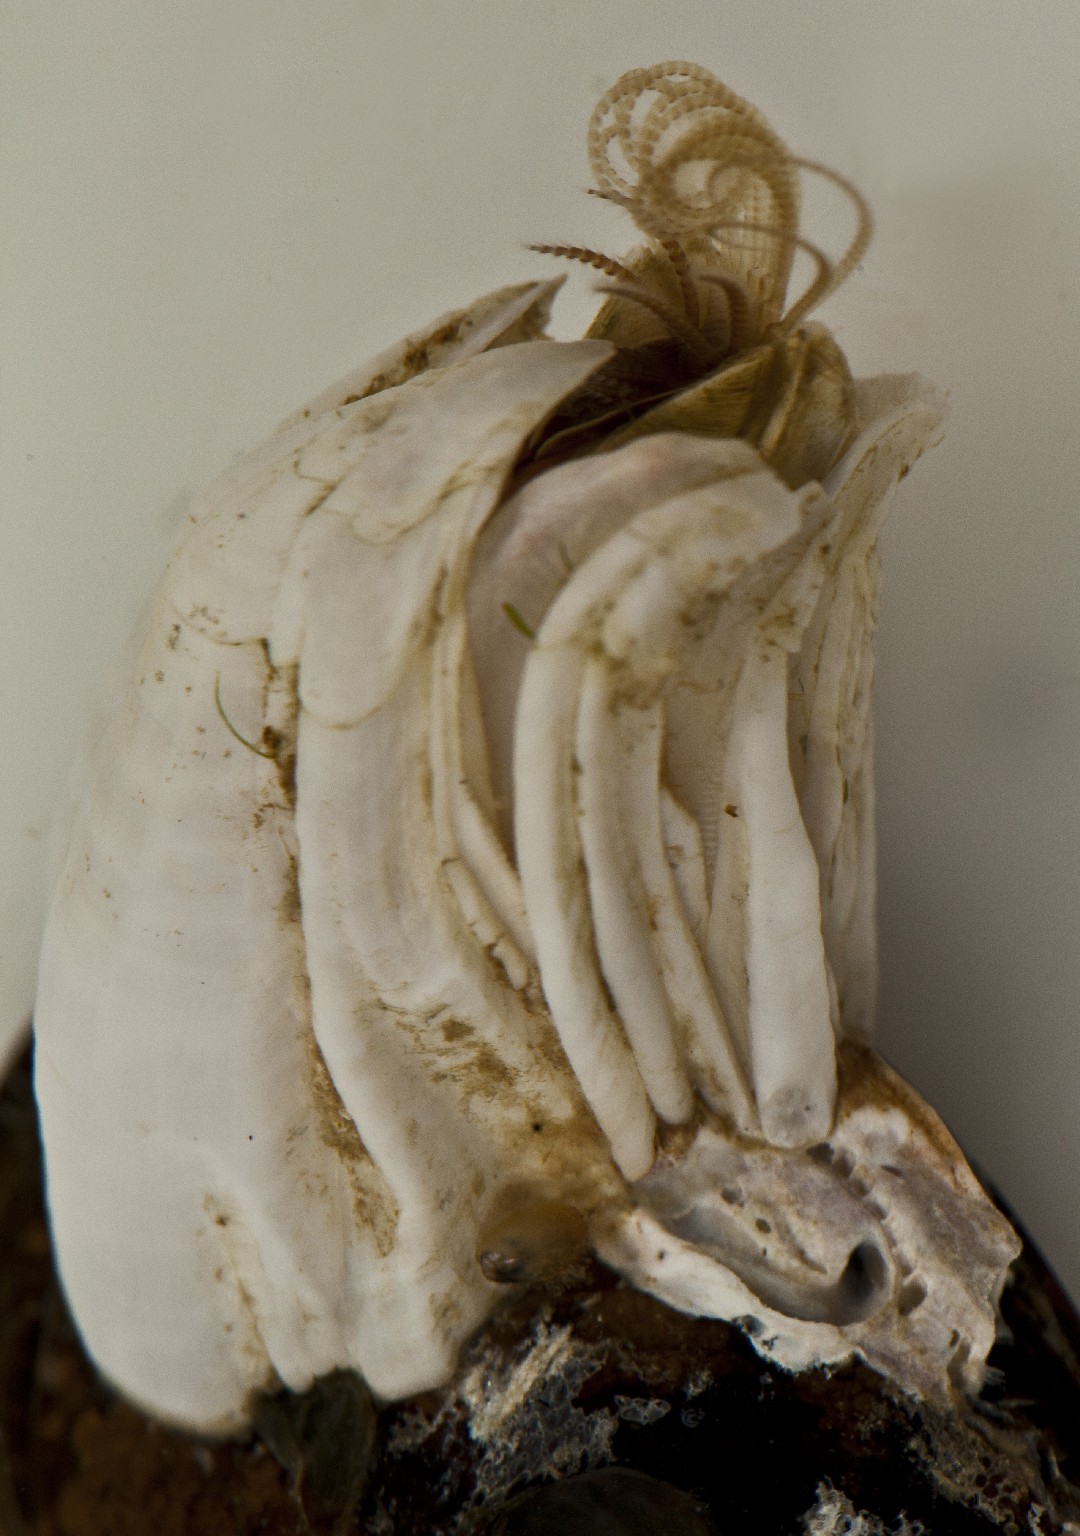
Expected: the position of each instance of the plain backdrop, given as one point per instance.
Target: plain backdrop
(214, 207)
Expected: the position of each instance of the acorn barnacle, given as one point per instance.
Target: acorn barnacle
(477, 867)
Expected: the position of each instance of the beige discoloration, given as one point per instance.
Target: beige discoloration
(865, 1079)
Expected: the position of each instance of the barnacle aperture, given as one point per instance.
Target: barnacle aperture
(479, 862)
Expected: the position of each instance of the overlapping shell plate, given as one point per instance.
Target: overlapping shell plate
(478, 865)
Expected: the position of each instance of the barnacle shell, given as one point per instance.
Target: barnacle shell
(475, 836)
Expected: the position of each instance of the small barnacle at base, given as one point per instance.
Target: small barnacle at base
(528, 1238)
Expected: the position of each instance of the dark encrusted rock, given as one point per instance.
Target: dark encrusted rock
(591, 1403)
(612, 1502)
(325, 1440)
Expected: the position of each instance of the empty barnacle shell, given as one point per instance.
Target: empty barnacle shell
(477, 864)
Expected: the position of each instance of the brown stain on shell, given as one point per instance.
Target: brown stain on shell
(374, 1206)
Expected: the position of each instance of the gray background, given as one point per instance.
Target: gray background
(216, 206)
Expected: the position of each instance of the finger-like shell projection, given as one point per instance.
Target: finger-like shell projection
(478, 863)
